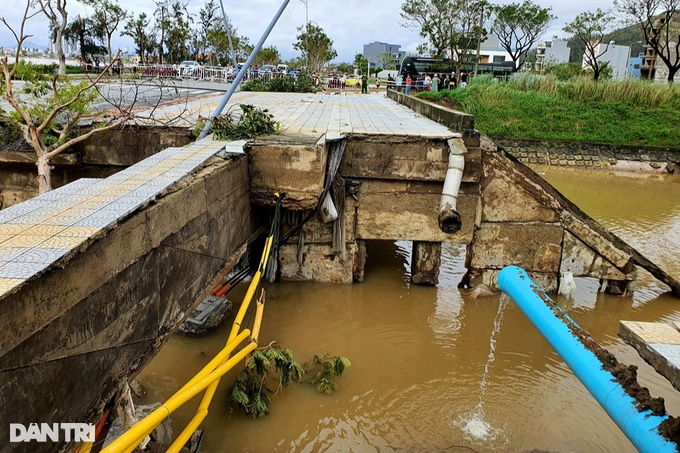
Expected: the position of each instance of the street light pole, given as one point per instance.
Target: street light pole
(306, 3)
(231, 45)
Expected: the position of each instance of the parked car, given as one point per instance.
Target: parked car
(282, 68)
(268, 70)
(190, 68)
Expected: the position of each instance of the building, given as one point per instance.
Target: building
(374, 50)
(634, 66)
(490, 51)
(653, 68)
(617, 56)
(552, 52)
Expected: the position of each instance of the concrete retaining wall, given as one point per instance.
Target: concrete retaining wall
(70, 338)
(97, 157)
(588, 155)
(453, 119)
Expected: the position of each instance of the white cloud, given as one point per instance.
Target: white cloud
(351, 23)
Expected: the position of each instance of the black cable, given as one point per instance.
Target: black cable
(333, 166)
(273, 230)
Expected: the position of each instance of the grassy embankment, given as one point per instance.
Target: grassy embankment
(540, 107)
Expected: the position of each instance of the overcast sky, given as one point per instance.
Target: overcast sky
(349, 23)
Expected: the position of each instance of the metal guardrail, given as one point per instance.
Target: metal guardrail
(206, 73)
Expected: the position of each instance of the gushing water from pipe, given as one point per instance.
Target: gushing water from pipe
(476, 427)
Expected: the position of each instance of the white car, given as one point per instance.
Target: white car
(190, 68)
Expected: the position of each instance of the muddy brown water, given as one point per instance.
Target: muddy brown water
(418, 353)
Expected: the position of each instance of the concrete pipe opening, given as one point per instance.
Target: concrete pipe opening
(449, 218)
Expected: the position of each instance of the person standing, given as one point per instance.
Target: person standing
(408, 84)
(344, 81)
(463, 80)
(364, 84)
(435, 83)
(447, 82)
(400, 80)
(377, 85)
(427, 82)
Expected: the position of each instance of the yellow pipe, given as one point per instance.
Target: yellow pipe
(161, 413)
(211, 366)
(183, 438)
(210, 391)
(244, 307)
(217, 360)
(135, 444)
(258, 317)
(265, 254)
(214, 363)
(208, 376)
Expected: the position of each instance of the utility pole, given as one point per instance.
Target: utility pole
(231, 46)
(306, 3)
(479, 39)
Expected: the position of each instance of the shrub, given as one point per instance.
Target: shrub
(251, 122)
(300, 84)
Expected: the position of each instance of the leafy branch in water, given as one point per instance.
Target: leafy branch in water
(275, 364)
(251, 122)
(326, 367)
(250, 390)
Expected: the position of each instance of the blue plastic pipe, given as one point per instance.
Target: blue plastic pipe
(242, 72)
(641, 428)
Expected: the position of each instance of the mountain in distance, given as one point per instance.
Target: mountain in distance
(27, 44)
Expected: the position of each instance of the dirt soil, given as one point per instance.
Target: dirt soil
(624, 375)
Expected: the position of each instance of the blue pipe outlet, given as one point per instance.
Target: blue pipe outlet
(641, 428)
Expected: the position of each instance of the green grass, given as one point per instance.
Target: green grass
(535, 107)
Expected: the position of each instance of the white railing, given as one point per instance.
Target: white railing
(206, 73)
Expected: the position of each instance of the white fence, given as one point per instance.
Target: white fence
(207, 73)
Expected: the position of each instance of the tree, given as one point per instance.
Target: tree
(346, 68)
(138, 30)
(386, 61)
(162, 16)
(55, 11)
(49, 108)
(429, 18)
(206, 18)
(218, 41)
(179, 31)
(361, 63)
(590, 28)
(519, 27)
(315, 46)
(659, 21)
(452, 27)
(268, 55)
(107, 17)
(82, 31)
(424, 49)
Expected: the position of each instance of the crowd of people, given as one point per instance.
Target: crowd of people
(424, 82)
